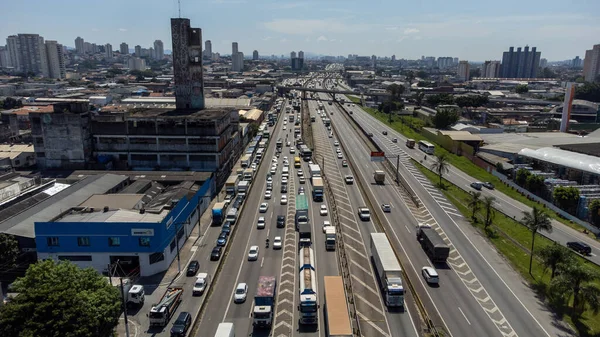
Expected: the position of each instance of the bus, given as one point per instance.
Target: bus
(297, 163)
(337, 317)
(246, 159)
(426, 147)
(410, 143)
(279, 143)
(305, 152)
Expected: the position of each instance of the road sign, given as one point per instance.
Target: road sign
(377, 156)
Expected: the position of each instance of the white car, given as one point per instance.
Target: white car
(323, 210)
(274, 160)
(349, 179)
(253, 253)
(326, 224)
(340, 156)
(273, 170)
(241, 292)
(386, 208)
(288, 144)
(285, 158)
(285, 127)
(277, 242)
(200, 284)
(430, 275)
(284, 199)
(338, 150)
(284, 122)
(269, 178)
(336, 143)
(253, 166)
(268, 194)
(300, 173)
(263, 207)
(302, 180)
(260, 224)
(284, 180)
(292, 150)
(330, 135)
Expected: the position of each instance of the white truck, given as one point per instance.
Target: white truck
(314, 170)
(225, 330)
(232, 215)
(388, 270)
(134, 293)
(309, 307)
(243, 187)
(330, 238)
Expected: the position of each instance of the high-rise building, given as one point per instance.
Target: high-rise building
(187, 64)
(207, 50)
(576, 62)
(393, 58)
(138, 50)
(4, 59)
(237, 61)
(234, 48)
(591, 64)
(108, 52)
(149, 52)
(463, 70)
(445, 62)
(293, 55)
(32, 54)
(301, 54)
(520, 63)
(159, 50)
(13, 47)
(136, 63)
(455, 61)
(373, 61)
(255, 55)
(543, 63)
(490, 69)
(124, 48)
(56, 60)
(79, 43)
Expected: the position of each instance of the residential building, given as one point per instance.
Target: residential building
(32, 54)
(463, 70)
(444, 62)
(207, 50)
(136, 63)
(255, 55)
(301, 54)
(490, 69)
(297, 62)
(79, 45)
(56, 60)
(543, 63)
(577, 62)
(108, 51)
(234, 48)
(4, 58)
(124, 48)
(520, 63)
(591, 64)
(159, 50)
(138, 51)
(149, 52)
(187, 61)
(12, 45)
(237, 58)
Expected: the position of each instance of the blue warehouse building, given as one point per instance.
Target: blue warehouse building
(138, 233)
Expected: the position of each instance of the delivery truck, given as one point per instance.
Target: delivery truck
(218, 213)
(432, 243)
(388, 270)
(317, 189)
(264, 302)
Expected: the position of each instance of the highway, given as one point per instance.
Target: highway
(479, 300)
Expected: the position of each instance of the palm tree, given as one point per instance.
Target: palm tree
(555, 256)
(535, 221)
(575, 280)
(441, 166)
(488, 206)
(475, 203)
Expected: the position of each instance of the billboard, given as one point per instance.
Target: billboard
(377, 156)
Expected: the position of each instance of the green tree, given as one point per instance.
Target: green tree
(61, 299)
(594, 210)
(475, 73)
(253, 130)
(444, 118)
(554, 256)
(522, 176)
(441, 166)
(535, 184)
(422, 74)
(419, 97)
(474, 204)
(11, 103)
(521, 89)
(488, 207)
(566, 197)
(435, 100)
(588, 91)
(576, 280)
(536, 220)
(395, 91)
(471, 101)
(9, 250)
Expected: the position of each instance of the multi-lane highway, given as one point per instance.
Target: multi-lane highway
(480, 295)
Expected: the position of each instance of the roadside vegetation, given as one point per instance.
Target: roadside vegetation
(410, 127)
(569, 284)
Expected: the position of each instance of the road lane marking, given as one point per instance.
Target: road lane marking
(465, 316)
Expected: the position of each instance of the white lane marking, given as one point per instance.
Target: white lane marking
(262, 261)
(465, 316)
(407, 228)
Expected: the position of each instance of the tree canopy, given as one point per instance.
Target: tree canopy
(9, 250)
(11, 103)
(434, 100)
(588, 91)
(521, 89)
(444, 118)
(60, 299)
(566, 197)
(472, 101)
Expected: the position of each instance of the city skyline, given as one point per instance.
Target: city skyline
(462, 28)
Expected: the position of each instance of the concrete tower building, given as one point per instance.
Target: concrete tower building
(13, 47)
(108, 52)
(187, 64)
(463, 70)
(138, 50)
(79, 43)
(32, 54)
(56, 60)
(159, 50)
(255, 55)
(124, 48)
(207, 50)
(237, 58)
(520, 63)
(591, 63)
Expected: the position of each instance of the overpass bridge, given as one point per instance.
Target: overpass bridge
(284, 89)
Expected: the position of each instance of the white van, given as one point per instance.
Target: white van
(201, 285)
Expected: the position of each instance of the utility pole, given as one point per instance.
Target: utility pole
(124, 300)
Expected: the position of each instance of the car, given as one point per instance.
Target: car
(394, 140)
(226, 228)
(326, 224)
(253, 253)
(477, 185)
(192, 268)
(292, 150)
(301, 190)
(488, 185)
(580, 247)
(349, 179)
(285, 127)
(284, 180)
(283, 200)
(280, 221)
(284, 122)
(302, 180)
(268, 194)
(299, 172)
(241, 292)
(339, 155)
(181, 325)
(270, 186)
(370, 134)
(222, 240)
(284, 188)
(202, 282)
(260, 224)
(364, 214)
(336, 143)
(431, 276)
(263, 207)
(215, 255)
(384, 132)
(288, 144)
(253, 166)
(269, 178)
(277, 244)
(386, 208)
(330, 135)
(323, 210)
(344, 163)
(338, 150)
(273, 170)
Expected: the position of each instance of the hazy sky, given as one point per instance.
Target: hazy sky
(474, 30)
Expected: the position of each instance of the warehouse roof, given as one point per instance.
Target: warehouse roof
(582, 162)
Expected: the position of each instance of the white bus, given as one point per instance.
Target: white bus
(246, 159)
(426, 147)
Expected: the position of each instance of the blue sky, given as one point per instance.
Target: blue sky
(468, 29)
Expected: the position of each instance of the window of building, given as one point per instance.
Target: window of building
(145, 242)
(52, 241)
(173, 245)
(114, 241)
(156, 257)
(75, 257)
(83, 241)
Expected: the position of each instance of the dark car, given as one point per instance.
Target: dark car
(193, 268)
(488, 185)
(580, 247)
(301, 190)
(215, 255)
(226, 228)
(283, 188)
(222, 240)
(181, 325)
(370, 134)
(280, 221)
(384, 133)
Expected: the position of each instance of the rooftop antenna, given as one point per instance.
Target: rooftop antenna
(179, 7)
